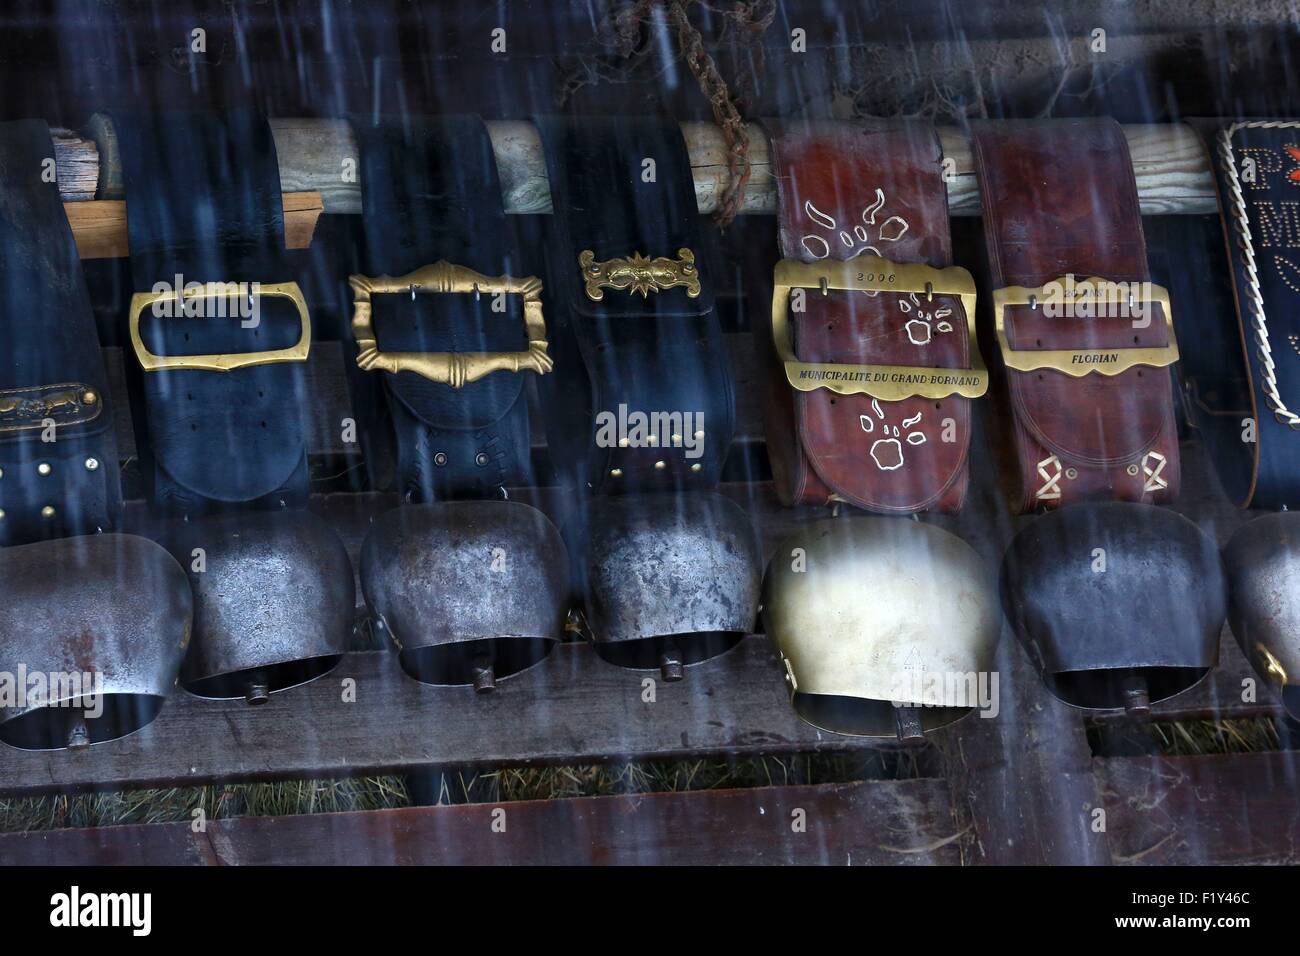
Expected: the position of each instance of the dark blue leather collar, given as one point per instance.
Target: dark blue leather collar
(430, 192)
(1241, 380)
(204, 203)
(621, 186)
(64, 479)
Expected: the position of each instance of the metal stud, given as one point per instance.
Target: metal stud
(440, 459)
(696, 467)
(92, 464)
(616, 472)
(481, 459)
(2, 514)
(660, 465)
(88, 397)
(47, 511)
(43, 468)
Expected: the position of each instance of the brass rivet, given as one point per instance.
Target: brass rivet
(1132, 469)
(700, 433)
(1071, 473)
(616, 472)
(481, 459)
(89, 398)
(92, 464)
(652, 440)
(677, 439)
(622, 443)
(440, 459)
(43, 468)
(2, 514)
(47, 511)
(696, 467)
(660, 465)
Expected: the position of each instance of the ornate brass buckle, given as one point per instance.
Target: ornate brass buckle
(1079, 362)
(70, 403)
(220, 363)
(639, 274)
(449, 368)
(867, 273)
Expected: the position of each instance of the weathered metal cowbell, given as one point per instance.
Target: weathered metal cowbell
(92, 632)
(887, 627)
(274, 601)
(668, 580)
(1263, 567)
(470, 591)
(1118, 604)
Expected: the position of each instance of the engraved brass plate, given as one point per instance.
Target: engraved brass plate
(69, 403)
(639, 274)
(219, 363)
(867, 273)
(1079, 362)
(449, 368)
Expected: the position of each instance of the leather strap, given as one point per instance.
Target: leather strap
(1241, 381)
(842, 193)
(204, 205)
(431, 192)
(1059, 199)
(58, 455)
(642, 396)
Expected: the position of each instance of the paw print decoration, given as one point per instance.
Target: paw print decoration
(921, 327)
(887, 451)
(853, 239)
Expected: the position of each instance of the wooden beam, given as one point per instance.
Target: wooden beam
(100, 229)
(1205, 810)
(873, 822)
(319, 155)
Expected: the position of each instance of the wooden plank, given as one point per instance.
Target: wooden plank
(100, 230)
(571, 708)
(904, 822)
(1172, 171)
(1215, 809)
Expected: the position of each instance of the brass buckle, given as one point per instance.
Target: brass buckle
(638, 273)
(1079, 362)
(151, 362)
(449, 368)
(868, 273)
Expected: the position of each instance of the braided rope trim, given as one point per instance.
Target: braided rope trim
(1255, 297)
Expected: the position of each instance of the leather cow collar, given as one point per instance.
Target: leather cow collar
(440, 338)
(642, 397)
(58, 455)
(870, 347)
(220, 332)
(1085, 339)
(1241, 380)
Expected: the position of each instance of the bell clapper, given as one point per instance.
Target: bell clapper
(1137, 699)
(907, 724)
(257, 691)
(670, 662)
(484, 676)
(78, 733)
